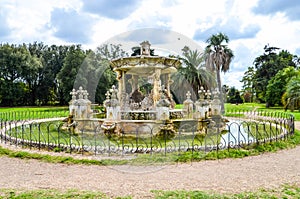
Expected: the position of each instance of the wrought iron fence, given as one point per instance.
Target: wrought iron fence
(242, 129)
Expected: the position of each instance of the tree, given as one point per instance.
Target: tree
(34, 74)
(218, 58)
(49, 91)
(267, 65)
(248, 82)
(111, 51)
(31, 76)
(225, 90)
(293, 93)
(67, 75)
(277, 85)
(16, 66)
(296, 60)
(88, 74)
(95, 74)
(107, 77)
(191, 74)
(234, 96)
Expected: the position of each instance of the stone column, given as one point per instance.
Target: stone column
(124, 79)
(156, 86)
(167, 84)
(120, 83)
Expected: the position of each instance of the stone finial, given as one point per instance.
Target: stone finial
(73, 93)
(107, 94)
(85, 94)
(80, 93)
(145, 48)
(107, 102)
(114, 92)
(208, 95)
(201, 93)
(188, 95)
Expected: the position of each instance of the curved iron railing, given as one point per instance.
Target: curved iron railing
(244, 128)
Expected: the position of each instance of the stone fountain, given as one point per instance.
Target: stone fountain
(127, 104)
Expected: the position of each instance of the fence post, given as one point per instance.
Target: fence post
(39, 136)
(292, 118)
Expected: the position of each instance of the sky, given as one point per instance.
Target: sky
(249, 24)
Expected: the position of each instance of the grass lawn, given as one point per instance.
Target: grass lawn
(23, 109)
(244, 106)
(260, 107)
(28, 113)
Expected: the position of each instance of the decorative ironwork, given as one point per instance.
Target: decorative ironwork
(242, 129)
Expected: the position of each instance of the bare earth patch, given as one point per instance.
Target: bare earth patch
(269, 170)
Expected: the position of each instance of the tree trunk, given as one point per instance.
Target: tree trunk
(221, 92)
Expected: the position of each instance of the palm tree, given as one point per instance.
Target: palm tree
(192, 74)
(218, 58)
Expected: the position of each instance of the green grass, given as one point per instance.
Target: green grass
(24, 109)
(27, 113)
(287, 191)
(259, 107)
(262, 130)
(52, 194)
(179, 106)
(45, 132)
(244, 106)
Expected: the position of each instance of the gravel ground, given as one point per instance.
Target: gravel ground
(269, 170)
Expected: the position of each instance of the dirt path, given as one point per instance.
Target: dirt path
(230, 175)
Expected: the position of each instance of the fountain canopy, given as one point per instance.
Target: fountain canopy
(144, 69)
(144, 92)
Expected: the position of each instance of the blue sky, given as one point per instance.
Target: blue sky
(250, 24)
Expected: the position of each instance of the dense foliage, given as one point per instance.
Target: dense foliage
(269, 79)
(38, 74)
(234, 96)
(191, 75)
